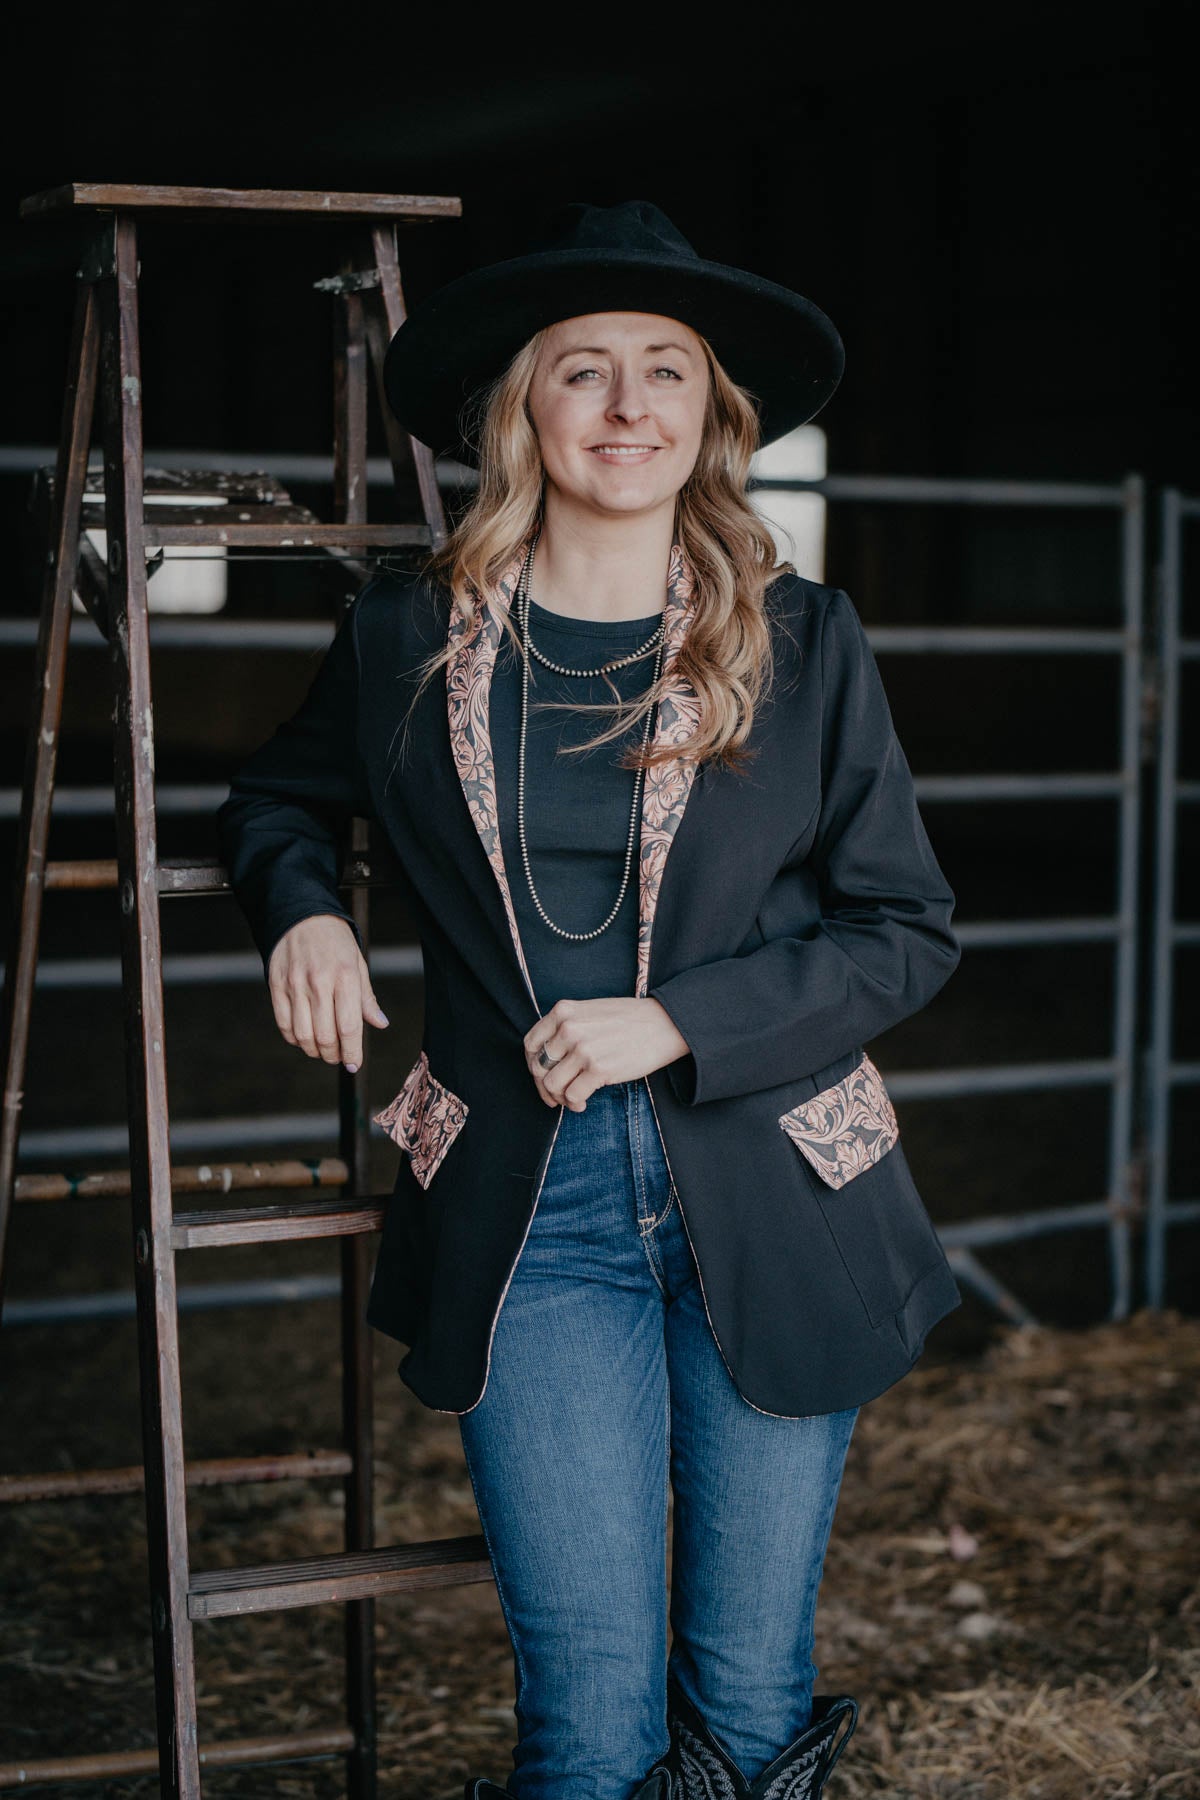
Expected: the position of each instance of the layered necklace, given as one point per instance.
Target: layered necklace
(655, 641)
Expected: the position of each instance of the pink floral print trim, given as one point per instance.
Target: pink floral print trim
(666, 788)
(668, 785)
(424, 1119)
(468, 683)
(846, 1127)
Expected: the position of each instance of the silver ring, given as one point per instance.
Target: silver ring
(547, 1062)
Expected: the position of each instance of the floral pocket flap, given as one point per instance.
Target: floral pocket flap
(845, 1128)
(424, 1119)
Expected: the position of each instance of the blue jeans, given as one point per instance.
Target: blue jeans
(605, 1374)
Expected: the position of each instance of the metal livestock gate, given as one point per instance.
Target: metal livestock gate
(1115, 1069)
(1165, 1074)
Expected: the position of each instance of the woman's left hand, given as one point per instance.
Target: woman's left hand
(600, 1041)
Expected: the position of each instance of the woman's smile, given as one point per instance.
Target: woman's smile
(624, 453)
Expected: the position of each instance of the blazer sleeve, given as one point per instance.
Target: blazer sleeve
(282, 828)
(883, 946)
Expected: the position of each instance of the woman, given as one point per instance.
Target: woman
(654, 1227)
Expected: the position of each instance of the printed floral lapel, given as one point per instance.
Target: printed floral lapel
(666, 788)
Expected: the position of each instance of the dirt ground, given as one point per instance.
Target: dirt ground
(1012, 1590)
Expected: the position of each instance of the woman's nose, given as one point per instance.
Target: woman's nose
(627, 402)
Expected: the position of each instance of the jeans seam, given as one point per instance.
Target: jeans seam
(654, 1223)
(656, 1268)
(644, 1225)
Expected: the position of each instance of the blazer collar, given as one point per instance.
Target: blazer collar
(666, 788)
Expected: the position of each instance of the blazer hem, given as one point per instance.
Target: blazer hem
(895, 1346)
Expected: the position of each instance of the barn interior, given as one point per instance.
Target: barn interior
(998, 214)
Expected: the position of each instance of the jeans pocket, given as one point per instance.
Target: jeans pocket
(424, 1119)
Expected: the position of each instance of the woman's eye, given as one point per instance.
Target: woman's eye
(577, 377)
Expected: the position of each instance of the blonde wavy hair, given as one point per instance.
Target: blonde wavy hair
(727, 651)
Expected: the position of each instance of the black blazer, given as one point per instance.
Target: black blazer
(788, 914)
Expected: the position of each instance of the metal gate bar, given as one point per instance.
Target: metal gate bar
(1164, 1074)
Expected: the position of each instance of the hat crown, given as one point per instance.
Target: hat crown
(631, 225)
(628, 257)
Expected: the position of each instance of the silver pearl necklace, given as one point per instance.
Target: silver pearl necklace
(616, 662)
(659, 634)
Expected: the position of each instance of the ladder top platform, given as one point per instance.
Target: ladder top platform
(77, 195)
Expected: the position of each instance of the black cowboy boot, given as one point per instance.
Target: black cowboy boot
(698, 1768)
(655, 1787)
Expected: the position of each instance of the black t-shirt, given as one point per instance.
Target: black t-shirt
(576, 807)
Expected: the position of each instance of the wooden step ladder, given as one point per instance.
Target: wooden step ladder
(104, 359)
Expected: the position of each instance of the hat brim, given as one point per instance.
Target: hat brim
(772, 341)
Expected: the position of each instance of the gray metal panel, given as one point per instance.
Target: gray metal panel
(1164, 1075)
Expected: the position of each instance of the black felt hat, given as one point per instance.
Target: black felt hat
(623, 258)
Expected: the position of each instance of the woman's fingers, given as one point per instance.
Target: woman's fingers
(358, 1006)
(323, 1000)
(553, 1034)
(321, 990)
(281, 1000)
(372, 1012)
(279, 987)
(348, 1016)
(553, 1084)
(302, 1024)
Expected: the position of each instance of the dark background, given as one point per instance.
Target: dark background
(1000, 218)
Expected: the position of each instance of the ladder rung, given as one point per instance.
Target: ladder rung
(277, 516)
(348, 1575)
(190, 1178)
(207, 875)
(203, 876)
(250, 490)
(323, 535)
(95, 872)
(223, 1471)
(274, 1224)
(105, 1765)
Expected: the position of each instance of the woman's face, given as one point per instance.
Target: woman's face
(618, 401)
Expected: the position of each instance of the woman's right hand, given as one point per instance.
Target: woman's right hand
(321, 990)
